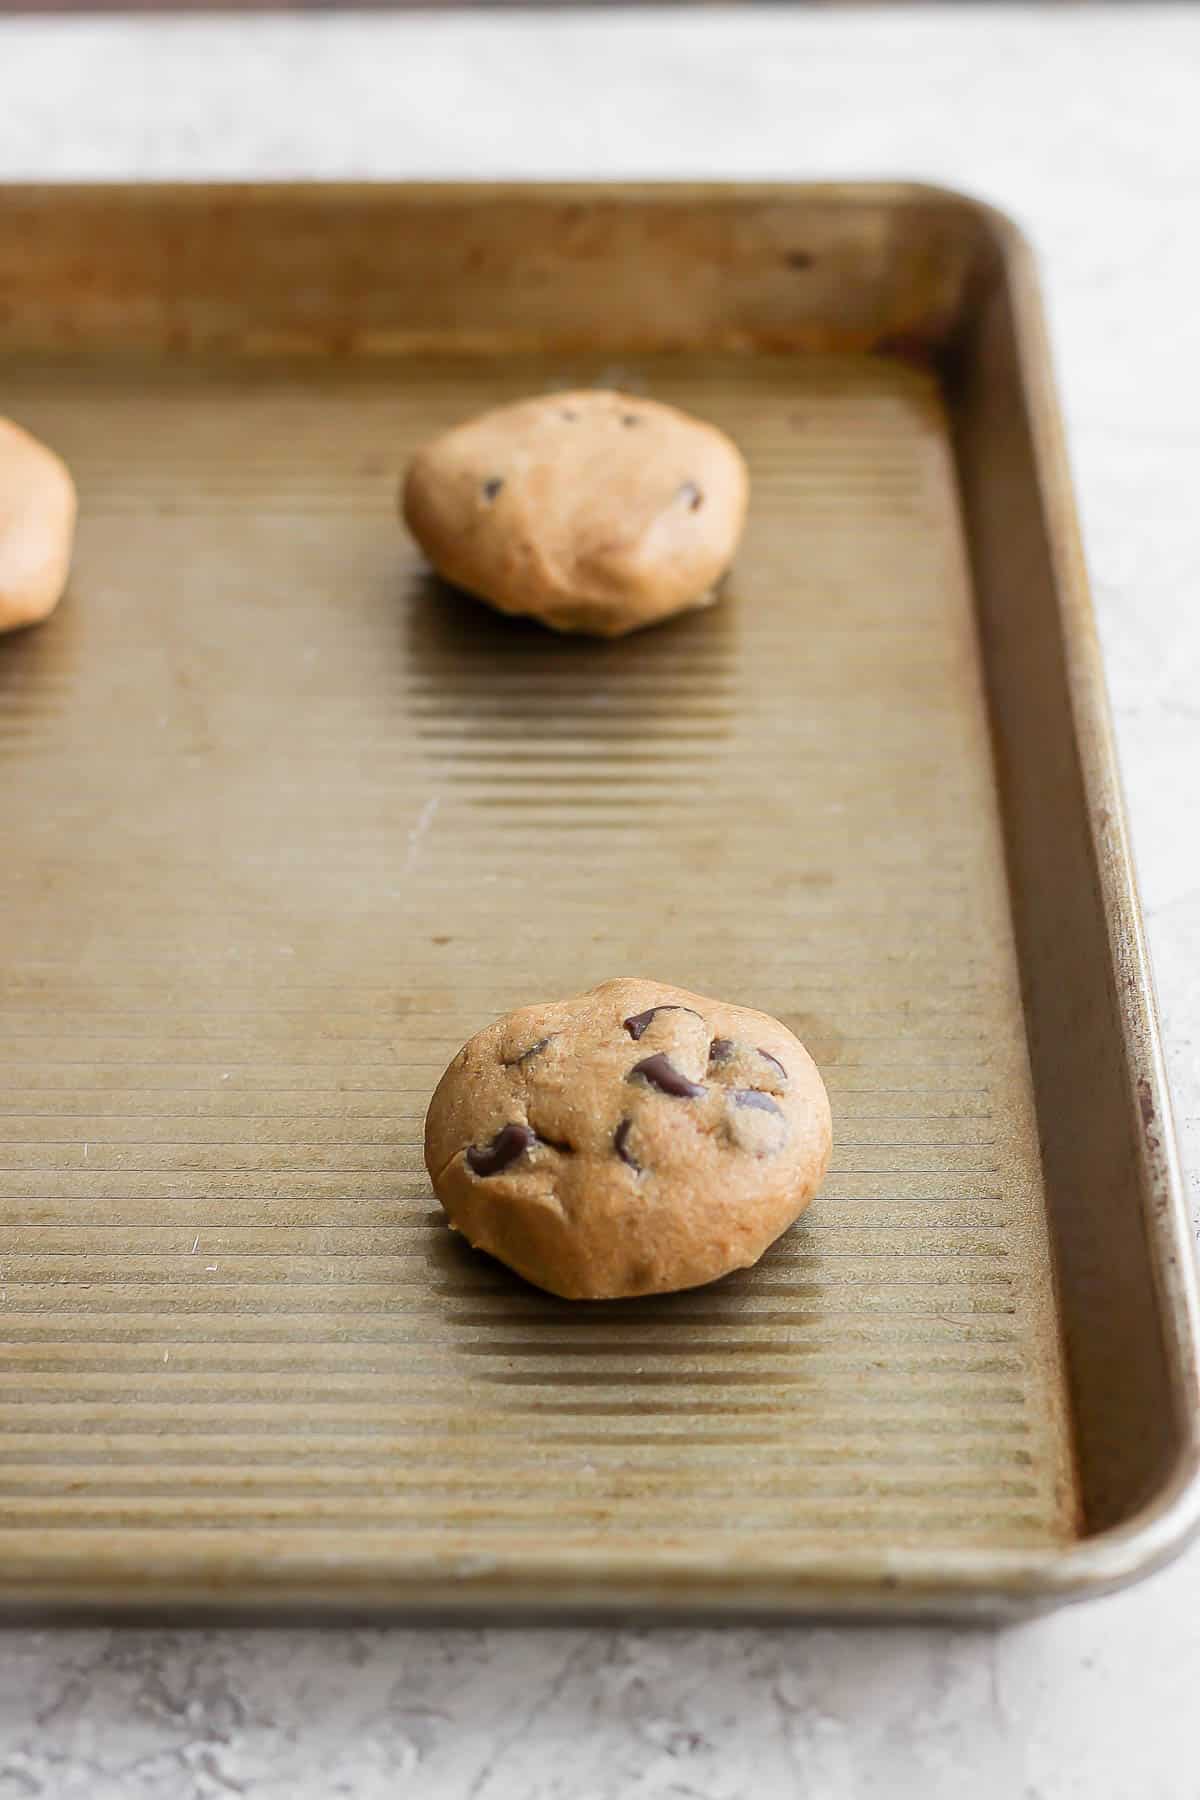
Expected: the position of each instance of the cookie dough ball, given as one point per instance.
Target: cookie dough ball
(634, 1140)
(37, 527)
(590, 511)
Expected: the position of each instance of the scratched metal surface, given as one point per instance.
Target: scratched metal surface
(289, 822)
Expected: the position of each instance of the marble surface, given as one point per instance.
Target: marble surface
(1081, 122)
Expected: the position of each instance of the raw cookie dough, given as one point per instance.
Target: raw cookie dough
(633, 1140)
(591, 511)
(37, 527)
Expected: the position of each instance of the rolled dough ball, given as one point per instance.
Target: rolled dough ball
(590, 511)
(37, 527)
(633, 1140)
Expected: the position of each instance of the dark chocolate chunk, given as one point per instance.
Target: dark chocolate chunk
(492, 488)
(621, 1145)
(507, 1145)
(691, 493)
(512, 1062)
(723, 1050)
(639, 1021)
(661, 1073)
(752, 1097)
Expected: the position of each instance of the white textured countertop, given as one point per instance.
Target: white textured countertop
(1081, 121)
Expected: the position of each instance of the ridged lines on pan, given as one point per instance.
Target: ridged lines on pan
(967, 972)
(47, 1394)
(804, 983)
(211, 1079)
(69, 1145)
(418, 1435)
(116, 1049)
(151, 1010)
(228, 1126)
(922, 1324)
(963, 1237)
(941, 1161)
(393, 701)
(211, 1024)
(995, 1468)
(875, 1287)
(730, 1414)
(332, 1455)
(279, 492)
(443, 1367)
(1000, 1471)
(503, 1489)
(280, 991)
(401, 1463)
(816, 1300)
(201, 1315)
(418, 1456)
(855, 1518)
(180, 1417)
(934, 1505)
(206, 1311)
(199, 1345)
(353, 1099)
(919, 1191)
(235, 1160)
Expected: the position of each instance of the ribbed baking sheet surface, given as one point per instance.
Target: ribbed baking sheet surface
(283, 823)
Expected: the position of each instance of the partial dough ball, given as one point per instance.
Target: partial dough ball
(633, 1140)
(37, 527)
(591, 511)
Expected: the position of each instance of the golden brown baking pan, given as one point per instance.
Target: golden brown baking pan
(282, 823)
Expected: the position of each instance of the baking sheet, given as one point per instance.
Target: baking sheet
(286, 821)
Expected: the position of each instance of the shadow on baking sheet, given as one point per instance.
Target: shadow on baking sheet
(485, 682)
(478, 1291)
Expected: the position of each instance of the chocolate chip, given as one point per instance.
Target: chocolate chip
(691, 493)
(567, 414)
(492, 488)
(639, 1021)
(799, 259)
(621, 1145)
(513, 1062)
(661, 1073)
(746, 1127)
(723, 1050)
(507, 1145)
(630, 419)
(752, 1097)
